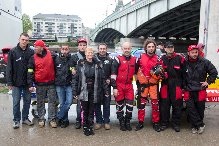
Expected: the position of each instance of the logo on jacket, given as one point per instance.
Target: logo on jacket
(18, 59)
(59, 65)
(106, 61)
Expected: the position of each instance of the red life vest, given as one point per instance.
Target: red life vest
(147, 62)
(126, 70)
(44, 68)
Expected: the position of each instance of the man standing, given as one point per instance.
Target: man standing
(106, 61)
(171, 88)
(63, 78)
(82, 45)
(148, 85)
(41, 72)
(17, 79)
(199, 73)
(123, 70)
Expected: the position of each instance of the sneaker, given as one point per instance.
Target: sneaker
(64, 124)
(16, 125)
(27, 122)
(163, 127)
(78, 124)
(91, 131)
(107, 126)
(86, 131)
(53, 124)
(176, 128)
(139, 126)
(41, 123)
(97, 126)
(201, 129)
(194, 130)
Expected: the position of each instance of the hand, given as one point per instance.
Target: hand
(75, 97)
(73, 71)
(31, 89)
(204, 84)
(115, 92)
(108, 81)
(10, 87)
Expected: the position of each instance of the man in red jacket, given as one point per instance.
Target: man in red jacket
(123, 70)
(41, 72)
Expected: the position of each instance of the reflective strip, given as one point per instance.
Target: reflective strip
(30, 70)
(113, 77)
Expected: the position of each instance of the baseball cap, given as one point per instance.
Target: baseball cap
(82, 40)
(169, 45)
(192, 47)
(40, 43)
(200, 45)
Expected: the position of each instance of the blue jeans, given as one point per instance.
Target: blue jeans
(17, 92)
(103, 118)
(65, 100)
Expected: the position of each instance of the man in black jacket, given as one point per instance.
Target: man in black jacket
(63, 78)
(105, 100)
(82, 45)
(17, 79)
(195, 84)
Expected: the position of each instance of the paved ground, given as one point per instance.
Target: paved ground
(26, 136)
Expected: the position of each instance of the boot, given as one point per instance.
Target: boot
(127, 124)
(91, 130)
(156, 127)
(86, 131)
(122, 124)
(139, 126)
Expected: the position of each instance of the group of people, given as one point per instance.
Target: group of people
(88, 77)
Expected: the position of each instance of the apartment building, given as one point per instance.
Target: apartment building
(61, 26)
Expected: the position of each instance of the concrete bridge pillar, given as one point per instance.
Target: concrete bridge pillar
(209, 29)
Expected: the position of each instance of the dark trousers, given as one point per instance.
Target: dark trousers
(195, 110)
(165, 105)
(88, 109)
(103, 117)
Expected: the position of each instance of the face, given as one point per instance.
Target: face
(23, 41)
(169, 50)
(102, 50)
(193, 54)
(150, 48)
(82, 46)
(38, 49)
(89, 54)
(126, 49)
(65, 50)
(160, 47)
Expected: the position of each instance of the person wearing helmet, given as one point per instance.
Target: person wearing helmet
(201, 47)
(171, 88)
(82, 45)
(198, 74)
(147, 82)
(123, 70)
(41, 72)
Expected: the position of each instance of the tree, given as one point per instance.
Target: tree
(27, 24)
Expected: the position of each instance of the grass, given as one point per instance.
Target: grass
(3, 89)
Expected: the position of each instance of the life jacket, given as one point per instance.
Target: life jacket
(146, 63)
(44, 68)
(126, 70)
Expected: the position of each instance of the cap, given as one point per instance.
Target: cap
(169, 45)
(200, 45)
(40, 43)
(82, 40)
(192, 47)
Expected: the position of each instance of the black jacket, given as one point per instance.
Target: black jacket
(77, 79)
(198, 71)
(107, 63)
(16, 72)
(76, 58)
(63, 66)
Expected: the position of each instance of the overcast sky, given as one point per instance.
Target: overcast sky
(91, 11)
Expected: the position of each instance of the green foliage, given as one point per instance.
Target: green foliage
(27, 24)
(3, 89)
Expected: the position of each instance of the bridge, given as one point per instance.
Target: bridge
(178, 19)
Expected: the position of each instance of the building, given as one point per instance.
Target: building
(10, 22)
(63, 27)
